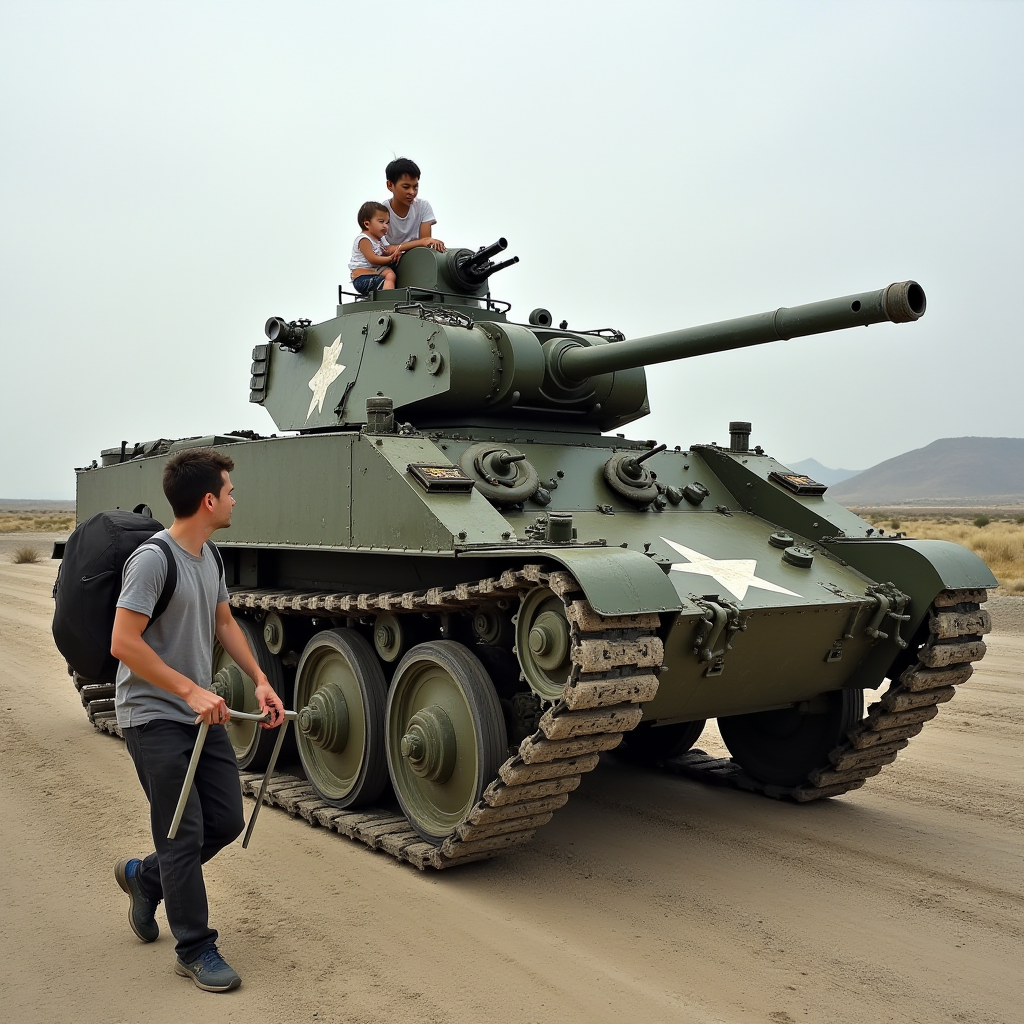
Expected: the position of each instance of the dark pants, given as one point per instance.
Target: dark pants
(366, 283)
(213, 818)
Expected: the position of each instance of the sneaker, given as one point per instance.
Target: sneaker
(209, 971)
(141, 909)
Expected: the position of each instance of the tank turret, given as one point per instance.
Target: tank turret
(447, 354)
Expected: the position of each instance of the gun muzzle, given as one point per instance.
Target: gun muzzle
(483, 255)
(511, 261)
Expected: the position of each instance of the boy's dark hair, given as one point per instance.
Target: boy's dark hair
(399, 166)
(367, 210)
(190, 476)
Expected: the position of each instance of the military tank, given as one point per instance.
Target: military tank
(469, 586)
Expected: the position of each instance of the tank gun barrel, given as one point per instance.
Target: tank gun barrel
(901, 302)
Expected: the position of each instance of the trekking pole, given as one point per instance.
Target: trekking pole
(197, 750)
(288, 716)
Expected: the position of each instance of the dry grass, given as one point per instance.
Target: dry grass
(998, 539)
(37, 522)
(25, 556)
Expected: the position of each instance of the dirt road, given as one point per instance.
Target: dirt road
(647, 898)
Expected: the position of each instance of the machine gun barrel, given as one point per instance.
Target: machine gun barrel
(471, 269)
(483, 255)
(899, 303)
(510, 262)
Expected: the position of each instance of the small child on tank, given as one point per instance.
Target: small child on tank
(372, 256)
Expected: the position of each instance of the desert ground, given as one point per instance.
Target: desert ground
(647, 898)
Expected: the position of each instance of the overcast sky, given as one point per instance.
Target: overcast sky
(175, 173)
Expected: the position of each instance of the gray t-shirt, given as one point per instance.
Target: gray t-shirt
(182, 636)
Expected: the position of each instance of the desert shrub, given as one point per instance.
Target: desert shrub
(982, 521)
(25, 556)
(1019, 520)
(31, 522)
(894, 523)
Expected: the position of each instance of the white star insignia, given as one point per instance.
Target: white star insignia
(330, 370)
(735, 574)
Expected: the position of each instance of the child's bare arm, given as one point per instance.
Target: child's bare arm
(377, 261)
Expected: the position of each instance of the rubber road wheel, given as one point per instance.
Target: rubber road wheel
(648, 743)
(252, 744)
(445, 735)
(340, 696)
(782, 747)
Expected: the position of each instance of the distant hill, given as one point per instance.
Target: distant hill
(813, 468)
(952, 471)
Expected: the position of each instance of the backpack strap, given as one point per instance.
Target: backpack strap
(217, 556)
(170, 581)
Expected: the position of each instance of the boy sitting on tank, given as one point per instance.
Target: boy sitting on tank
(372, 256)
(412, 218)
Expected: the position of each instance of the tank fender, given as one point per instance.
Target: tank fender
(920, 568)
(618, 581)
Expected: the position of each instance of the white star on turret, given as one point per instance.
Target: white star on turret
(330, 370)
(735, 574)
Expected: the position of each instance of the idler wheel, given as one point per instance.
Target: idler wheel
(252, 745)
(648, 743)
(543, 642)
(780, 748)
(501, 473)
(445, 735)
(627, 476)
(340, 695)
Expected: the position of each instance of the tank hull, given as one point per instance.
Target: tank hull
(342, 512)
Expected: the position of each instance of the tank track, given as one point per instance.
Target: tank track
(615, 666)
(956, 624)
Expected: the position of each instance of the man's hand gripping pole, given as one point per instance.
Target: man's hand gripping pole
(197, 750)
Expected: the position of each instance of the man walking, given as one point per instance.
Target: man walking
(163, 693)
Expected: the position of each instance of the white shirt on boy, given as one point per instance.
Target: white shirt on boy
(407, 228)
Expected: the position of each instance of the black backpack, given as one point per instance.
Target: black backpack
(88, 585)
